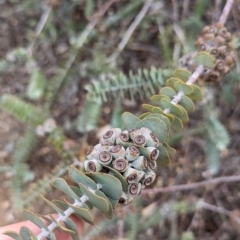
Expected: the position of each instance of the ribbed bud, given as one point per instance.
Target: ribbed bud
(152, 165)
(151, 153)
(94, 151)
(132, 153)
(134, 188)
(118, 151)
(133, 133)
(106, 146)
(140, 163)
(139, 141)
(140, 175)
(92, 165)
(152, 141)
(125, 199)
(120, 164)
(123, 139)
(105, 157)
(110, 135)
(131, 175)
(149, 177)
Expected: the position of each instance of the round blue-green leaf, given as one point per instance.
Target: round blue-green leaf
(62, 185)
(119, 176)
(187, 103)
(71, 225)
(157, 126)
(183, 87)
(196, 94)
(61, 228)
(171, 81)
(79, 177)
(158, 110)
(35, 219)
(148, 107)
(163, 118)
(172, 108)
(184, 116)
(94, 199)
(163, 158)
(53, 206)
(13, 235)
(182, 74)
(168, 91)
(205, 59)
(111, 186)
(176, 124)
(157, 98)
(142, 116)
(129, 120)
(81, 212)
(171, 151)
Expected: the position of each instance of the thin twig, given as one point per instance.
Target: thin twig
(190, 186)
(226, 10)
(217, 209)
(130, 31)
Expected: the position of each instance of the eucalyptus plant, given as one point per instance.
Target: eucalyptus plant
(124, 160)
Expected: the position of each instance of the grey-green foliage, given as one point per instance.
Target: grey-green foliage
(141, 85)
(21, 172)
(21, 110)
(217, 138)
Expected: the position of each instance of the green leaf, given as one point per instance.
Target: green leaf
(183, 87)
(109, 213)
(71, 225)
(157, 126)
(111, 186)
(142, 116)
(95, 200)
(196, 95)
(119, 176)
(158, 110)
(148, 107)
(184, 116)
(172, 108)
(157, 98)
(36, 85)
(171, 81)
(79, 177)
(182, 74)
(168, 91)
(62, 185)
(61, 228)
(35, 219)
(129, 120)
(81, 212)
(79, 193)
(205, 59)
(163, 118)
(171, 151)
(163, 158)
(176, 124)
(52, 205)
(187, 103)
(22, 111)
(13, 235)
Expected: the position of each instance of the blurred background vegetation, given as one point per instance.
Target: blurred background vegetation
(69, 68)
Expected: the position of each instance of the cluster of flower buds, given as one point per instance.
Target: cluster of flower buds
(216, 40)
(132, 153)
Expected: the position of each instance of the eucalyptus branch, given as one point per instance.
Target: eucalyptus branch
(226, 11)
(190, 186)
(130, 31)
